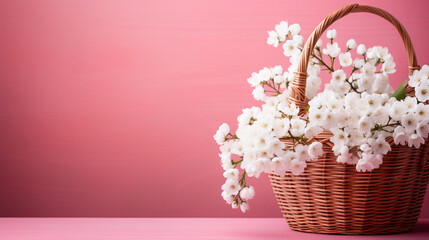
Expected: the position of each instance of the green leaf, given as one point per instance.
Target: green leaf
(400, 92)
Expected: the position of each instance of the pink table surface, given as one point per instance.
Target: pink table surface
(171, 228)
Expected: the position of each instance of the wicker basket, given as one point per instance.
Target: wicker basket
(334, 198)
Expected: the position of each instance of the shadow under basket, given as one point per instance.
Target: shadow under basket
(334, 198)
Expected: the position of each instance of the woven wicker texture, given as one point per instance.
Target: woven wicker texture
(334, 198)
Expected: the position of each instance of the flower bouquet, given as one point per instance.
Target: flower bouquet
(351, 159)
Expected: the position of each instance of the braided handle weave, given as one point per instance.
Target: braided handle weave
(297, 94)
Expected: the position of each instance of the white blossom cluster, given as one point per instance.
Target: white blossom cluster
(419, 81)
(358, 108)
(259, 147)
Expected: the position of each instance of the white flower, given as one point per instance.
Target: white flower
(237, 148)
(313, 70)
(244, 118)
(234, 205)
(422, 92)
(247, 193)
(302, 151)
(415, 141)
(389, 67)
(425, 70)
(401, 138)
(277, 70)
(365, 82)
(297, 167)
(221, 133)
(227, 147)
(282, 30)
(381, 82)
(417, 78)
(410, 103)
(317, 116)
(343, 118)
(383, 53)
(379, 146)
(365, 124)
(299, 39)
(338, 77)
(264, 74)
(270, 107)
(409, 122)
(315, 150)
(259, 93)
(289, 156)
(345, 156)
(345, 59)
(373, 100)
(368, 69)
(372, 53)
(365, 148)
(262, 165)
(231, 186)
(334, 104)
(361, 50)
(397, 110)
(358, 63)
(422, 111)
(261, 142)
(312, 131)
(331, 34)
(265, 122)
(272, 38)
(381, 115)
(351, 99)
(375, 159)
(333, 50)
(249, 157)
(330, 120)
(312, 86)
(291, 110)
(281, 127)
(399, 129)
(291, 48)
(254, 80)
(244, 207)
(228, 198)
(226, 161)
(362, 107)
(279, 165)
(351, 44)
(297, 127)
(340, 137)
(231, 173)
(423, 128)
(294, 29)
(275, 146)
(368, 162)
(279, 79)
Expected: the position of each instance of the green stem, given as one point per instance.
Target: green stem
(322, 62)
(243, 179)
(272, 87)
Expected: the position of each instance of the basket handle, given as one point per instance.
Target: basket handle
(297, 94)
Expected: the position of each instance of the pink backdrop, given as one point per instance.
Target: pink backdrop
(108, 108)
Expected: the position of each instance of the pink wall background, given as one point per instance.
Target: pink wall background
(108, 108)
